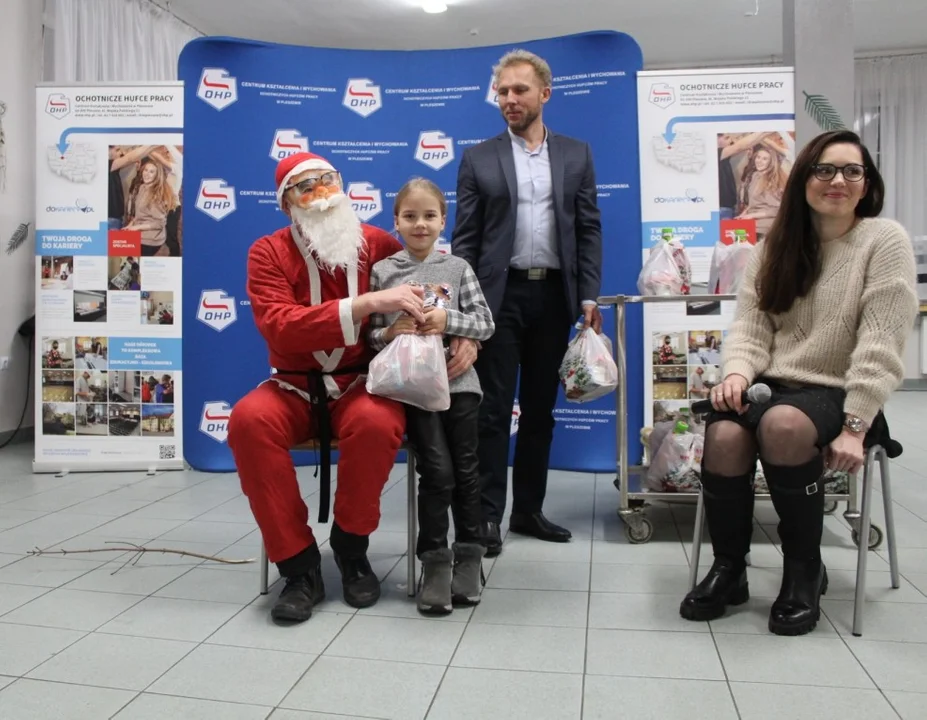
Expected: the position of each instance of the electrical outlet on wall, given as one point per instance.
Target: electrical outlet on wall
(4, 362)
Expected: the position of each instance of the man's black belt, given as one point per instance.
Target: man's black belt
(534, 273)
(318, 395)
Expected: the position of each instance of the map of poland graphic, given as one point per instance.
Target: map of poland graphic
(78, 163)
(686, 153)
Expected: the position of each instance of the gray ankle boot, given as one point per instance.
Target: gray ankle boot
(467, 585)
(434, 590)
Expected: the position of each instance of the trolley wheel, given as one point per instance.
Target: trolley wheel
(875, 537)
(640, 531)
(830, 507)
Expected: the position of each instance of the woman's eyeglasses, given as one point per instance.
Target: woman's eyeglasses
(851, 173)
(310, 184)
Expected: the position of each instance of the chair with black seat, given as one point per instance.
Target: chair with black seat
(314, 446)
(879, 447)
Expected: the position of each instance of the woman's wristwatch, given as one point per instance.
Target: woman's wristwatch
(854, 424)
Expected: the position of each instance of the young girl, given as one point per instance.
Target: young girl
(444, 443)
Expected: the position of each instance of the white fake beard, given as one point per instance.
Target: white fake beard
(331, 231)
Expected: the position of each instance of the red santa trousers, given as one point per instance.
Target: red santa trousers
(269, 420)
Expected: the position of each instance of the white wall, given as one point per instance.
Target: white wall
(20, 70)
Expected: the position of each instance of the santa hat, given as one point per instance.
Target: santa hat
(294, 165)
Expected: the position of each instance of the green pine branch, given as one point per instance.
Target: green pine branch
(823, 113)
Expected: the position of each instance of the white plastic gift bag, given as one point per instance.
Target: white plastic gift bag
(729, 263)
(588, 370)
(667, 270)
(412, 369)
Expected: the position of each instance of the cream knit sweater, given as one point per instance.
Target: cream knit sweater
(848, 332)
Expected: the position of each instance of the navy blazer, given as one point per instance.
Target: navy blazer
(487, 199)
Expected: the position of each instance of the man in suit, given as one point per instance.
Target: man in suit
(528, 224)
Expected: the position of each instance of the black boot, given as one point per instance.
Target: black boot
(303, 588)
(798, 496)
(729, 512)
(360, 584)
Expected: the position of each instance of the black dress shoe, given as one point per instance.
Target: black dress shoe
(798, 608)
(300, 594)
(725, 584)
(492, 538)
(359, 582)
(536, 525)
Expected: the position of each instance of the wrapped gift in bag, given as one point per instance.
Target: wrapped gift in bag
(667, 270)
(677, 465)
(729, 263)
(588, 370)
(412, 369)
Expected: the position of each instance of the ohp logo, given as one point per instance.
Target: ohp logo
(216, 198)
(286, 143)
(366, 200)
(58, 105)
(216, 309)
(492, 97)
(662, 95)
(215, 420)
(217, 88)
(362, 96)
(434, 149)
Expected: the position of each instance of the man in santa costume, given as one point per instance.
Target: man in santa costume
(308, 285)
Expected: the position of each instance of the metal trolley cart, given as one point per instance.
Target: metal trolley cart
(633, 498)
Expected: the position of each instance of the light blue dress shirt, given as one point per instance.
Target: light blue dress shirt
(535, 224)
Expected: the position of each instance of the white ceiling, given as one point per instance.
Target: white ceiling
(675, 32)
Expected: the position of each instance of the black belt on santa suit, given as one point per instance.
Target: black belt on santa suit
(318, 394)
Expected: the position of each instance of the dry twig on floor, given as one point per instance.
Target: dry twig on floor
(137, 552)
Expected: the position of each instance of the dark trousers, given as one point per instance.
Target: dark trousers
(532, 331)
(445, 444)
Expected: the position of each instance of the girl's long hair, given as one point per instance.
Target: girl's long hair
(792, 250)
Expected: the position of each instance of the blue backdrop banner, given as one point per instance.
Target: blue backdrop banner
(380, 117)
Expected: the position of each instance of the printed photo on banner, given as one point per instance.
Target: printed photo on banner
(91, 353)
(125, 386)
(57, 418)
(58, 272)
(705, 347)
(125, 420)
(90, 386)
(124, 273)
(158, 420)
(92, 419)
(90, 306)
(58, 386)
(669, 348)
(57, 352)
(752, 171)
(145, 188)
(157, 308)
(157, 387)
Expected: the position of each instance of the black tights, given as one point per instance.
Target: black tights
(786, 437)
(786, 441)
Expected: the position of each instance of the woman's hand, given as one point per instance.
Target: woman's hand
(845, 454)
(404, 325)
(729, 394)
(435, 321)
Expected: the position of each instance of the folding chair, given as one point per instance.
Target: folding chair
(879, 447)
(313, 445)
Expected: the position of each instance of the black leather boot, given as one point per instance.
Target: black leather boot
(729, 512)
(358, 581)
(798, 496)
(302, 591)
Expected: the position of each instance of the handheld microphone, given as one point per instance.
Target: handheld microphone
(759, 394)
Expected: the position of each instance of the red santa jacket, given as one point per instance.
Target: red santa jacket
(304, 313)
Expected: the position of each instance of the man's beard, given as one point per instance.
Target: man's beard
(527, 117)
(331, 231)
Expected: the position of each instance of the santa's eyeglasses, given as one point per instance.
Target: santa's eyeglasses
(310, 184)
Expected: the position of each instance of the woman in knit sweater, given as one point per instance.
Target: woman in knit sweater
(823, 314)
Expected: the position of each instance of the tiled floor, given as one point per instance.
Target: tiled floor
(584, 630)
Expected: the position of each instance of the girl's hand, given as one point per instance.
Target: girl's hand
(405, 325)
(435, 321)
